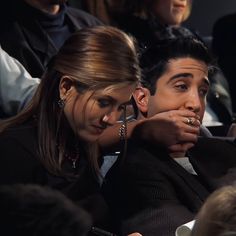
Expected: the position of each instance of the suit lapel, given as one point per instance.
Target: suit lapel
(192, 182)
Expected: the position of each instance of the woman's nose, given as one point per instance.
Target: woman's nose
(111, 118)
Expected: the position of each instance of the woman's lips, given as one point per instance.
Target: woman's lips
(98, 129)
(180, 6)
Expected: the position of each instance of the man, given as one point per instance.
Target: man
(154, 189)
(34, 30)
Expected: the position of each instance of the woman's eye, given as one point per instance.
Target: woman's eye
(103, 103)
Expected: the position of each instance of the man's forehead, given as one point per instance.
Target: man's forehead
(187, 63)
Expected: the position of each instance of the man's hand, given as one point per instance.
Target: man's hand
(177, 130)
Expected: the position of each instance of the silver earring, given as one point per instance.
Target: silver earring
(61, 103)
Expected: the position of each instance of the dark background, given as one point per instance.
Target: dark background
(206, 12)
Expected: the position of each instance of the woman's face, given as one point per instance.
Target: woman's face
(91, 112)
(171, 12)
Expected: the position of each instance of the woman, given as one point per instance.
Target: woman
(84, 90)
(152, 20)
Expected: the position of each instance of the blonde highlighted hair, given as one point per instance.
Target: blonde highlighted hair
(95, 58)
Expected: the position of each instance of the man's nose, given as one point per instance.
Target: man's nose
(193, 103)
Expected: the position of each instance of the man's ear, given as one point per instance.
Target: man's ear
(65, 87)
(141, 96)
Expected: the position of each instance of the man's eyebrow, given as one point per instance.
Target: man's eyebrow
(188, 75)
(181, 75)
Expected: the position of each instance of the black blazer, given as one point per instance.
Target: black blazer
(22, 37)
(152, 194)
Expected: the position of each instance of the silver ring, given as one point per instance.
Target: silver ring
(190, 121)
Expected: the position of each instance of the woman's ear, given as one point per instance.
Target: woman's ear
(65, 87)
(141, 96)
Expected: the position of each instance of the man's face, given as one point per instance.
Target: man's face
(184, 85)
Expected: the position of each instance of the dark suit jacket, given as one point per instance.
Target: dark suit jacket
(152, 194)
(22, 37)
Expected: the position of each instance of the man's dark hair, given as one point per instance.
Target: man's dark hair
(154, 60)
(31, 210)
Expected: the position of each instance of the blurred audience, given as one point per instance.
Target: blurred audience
(218, 214)
(153, 20)
(104, 10)
(16, 86)
(28, 210)
(223, 45)
(34, 30)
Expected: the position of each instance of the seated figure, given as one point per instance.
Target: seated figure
(153, 190)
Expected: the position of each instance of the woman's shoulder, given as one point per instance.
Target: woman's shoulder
(23, 135)
(18, 158)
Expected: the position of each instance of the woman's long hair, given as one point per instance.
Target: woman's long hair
(95, 58)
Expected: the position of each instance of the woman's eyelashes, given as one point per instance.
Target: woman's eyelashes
(103, 102)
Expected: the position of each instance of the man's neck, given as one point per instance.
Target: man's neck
(177, 154)
(44, 6)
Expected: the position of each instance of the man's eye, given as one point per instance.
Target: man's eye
(181, 86)
(103, 103)
(203, 91)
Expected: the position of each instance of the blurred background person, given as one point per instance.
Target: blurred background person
(34, 30)
(218, 214)
(30, 209)
(16, 85)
